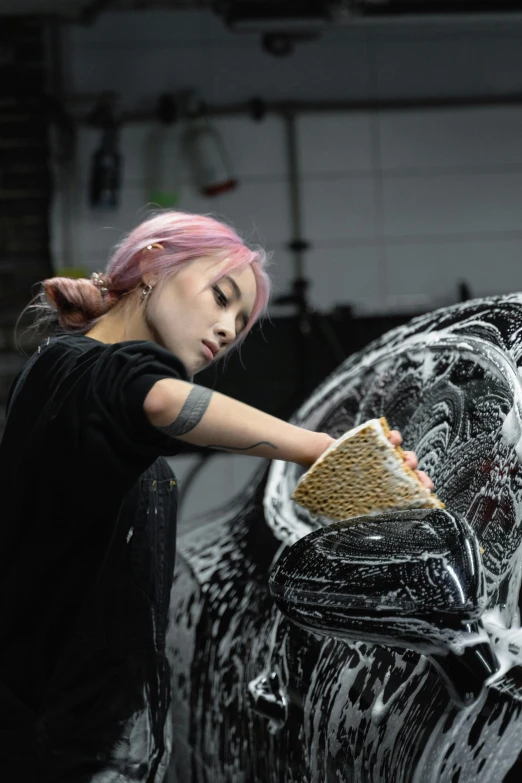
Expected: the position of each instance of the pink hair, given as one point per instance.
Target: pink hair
(184, 237)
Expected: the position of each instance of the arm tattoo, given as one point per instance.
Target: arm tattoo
(242, 448)
(191, 413)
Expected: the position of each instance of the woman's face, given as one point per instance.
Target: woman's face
(187, 311)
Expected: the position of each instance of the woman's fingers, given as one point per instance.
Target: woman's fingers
(425, 479)
(395, 438)
(410, 458)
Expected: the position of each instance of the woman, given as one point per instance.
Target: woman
(88, 533)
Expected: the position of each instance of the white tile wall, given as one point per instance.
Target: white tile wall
(257, 148)
(317, 70)
(282, 271)
(489, 267)
(335, 143)
(339, 210)
(398, 205)
(407, 68)
(453, 204)
(259, 210)
(478, 138)
(137, 73)
(356, 273)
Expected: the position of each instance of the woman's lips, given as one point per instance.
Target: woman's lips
(208, 353)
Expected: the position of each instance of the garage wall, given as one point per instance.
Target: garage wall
(399, 206)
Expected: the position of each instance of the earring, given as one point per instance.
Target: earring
(146, 291)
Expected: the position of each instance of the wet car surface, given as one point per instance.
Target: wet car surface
(373, 671)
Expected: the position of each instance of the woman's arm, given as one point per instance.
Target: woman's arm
(203, 417)
(207, 418)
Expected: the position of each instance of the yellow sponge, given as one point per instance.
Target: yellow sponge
(362, 473)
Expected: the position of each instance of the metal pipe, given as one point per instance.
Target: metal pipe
(295, 194)
(318, 107)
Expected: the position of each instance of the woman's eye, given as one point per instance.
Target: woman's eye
(220, 296)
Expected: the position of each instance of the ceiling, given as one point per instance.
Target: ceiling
(77, 9)
(87, 10)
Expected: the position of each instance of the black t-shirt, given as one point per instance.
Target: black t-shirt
(76, 450)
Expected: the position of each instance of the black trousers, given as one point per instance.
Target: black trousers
(106, 720)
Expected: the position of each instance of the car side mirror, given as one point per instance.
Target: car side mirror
(410, 579)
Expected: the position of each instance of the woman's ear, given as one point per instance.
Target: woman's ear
(147, 276)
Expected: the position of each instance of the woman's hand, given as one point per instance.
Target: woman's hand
(323, 441)
(410, 457)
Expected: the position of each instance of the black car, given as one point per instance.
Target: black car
(387, 648)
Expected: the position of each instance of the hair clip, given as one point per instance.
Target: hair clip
(100, 283)
(155, 245)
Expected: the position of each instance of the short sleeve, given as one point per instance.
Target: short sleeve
(104, 393)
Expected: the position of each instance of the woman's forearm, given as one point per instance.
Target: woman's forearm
(203, 417)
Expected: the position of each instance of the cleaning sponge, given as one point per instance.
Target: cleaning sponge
(362, 473)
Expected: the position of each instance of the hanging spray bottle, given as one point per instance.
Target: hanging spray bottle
(105, 179)
(164, 164)
(206, 150)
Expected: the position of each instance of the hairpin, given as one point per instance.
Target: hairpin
(100, 282)
(155, 245)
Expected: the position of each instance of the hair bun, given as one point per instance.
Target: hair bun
(76, 300)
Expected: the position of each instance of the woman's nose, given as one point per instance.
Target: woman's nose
(226, 332)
